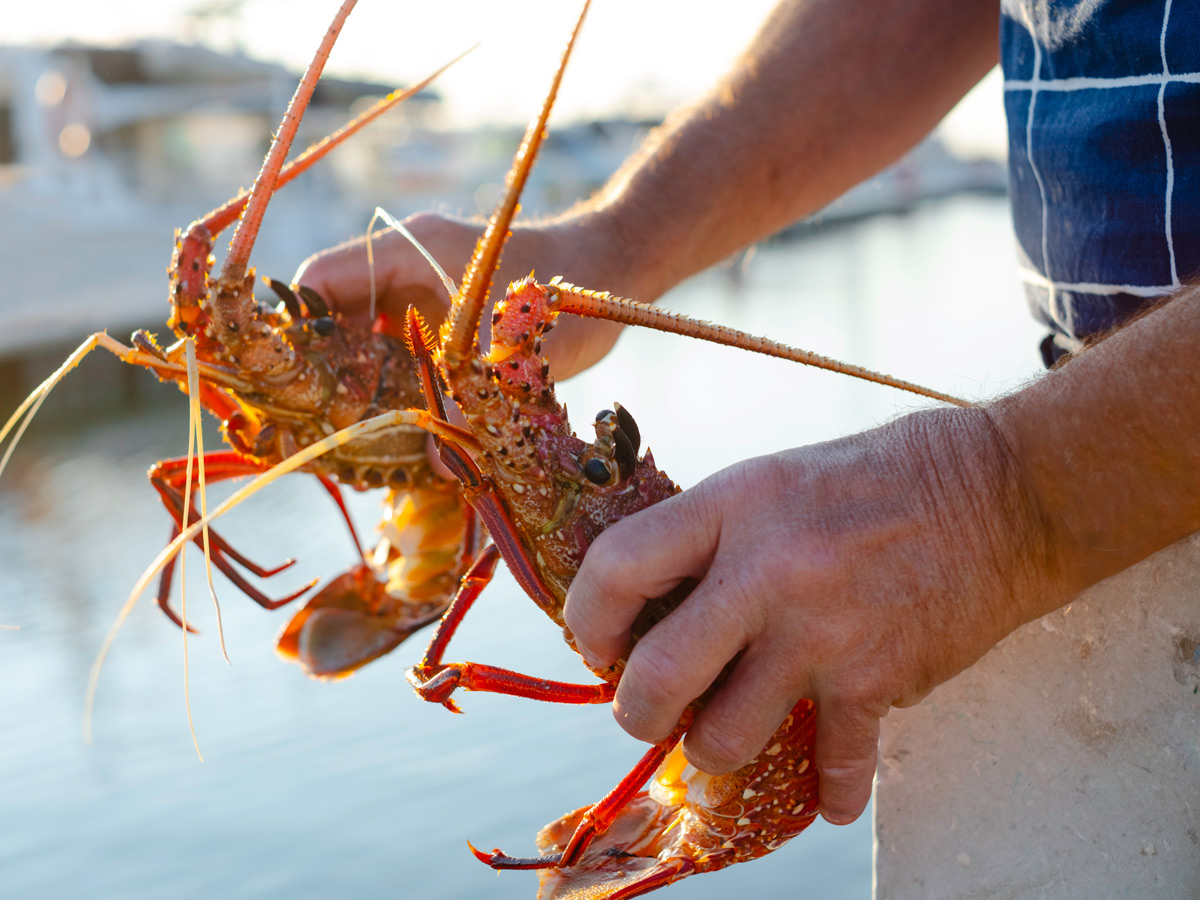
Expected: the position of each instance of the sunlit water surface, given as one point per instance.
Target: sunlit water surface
(356, 788)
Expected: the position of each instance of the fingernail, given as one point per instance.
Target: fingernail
(838, 818)
(590, 659)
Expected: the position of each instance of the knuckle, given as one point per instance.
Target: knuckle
(606, 556)
(657, 678)
(845, 771)
(722, 746)
(420, 223)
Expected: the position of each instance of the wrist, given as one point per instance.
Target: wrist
(986, 506)
(602, 247)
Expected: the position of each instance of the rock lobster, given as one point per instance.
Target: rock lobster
(543, 495)
(279, 379)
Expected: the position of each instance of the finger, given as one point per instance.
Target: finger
(343, 276)
(340, 275)
(680, 657)
(637, 558)
(740, 719)
(847, 752)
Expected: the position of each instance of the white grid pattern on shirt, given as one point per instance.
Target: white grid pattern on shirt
(1036, 85)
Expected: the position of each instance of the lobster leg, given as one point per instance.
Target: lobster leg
(336, 493)
(494, 680)
(599, 817)
(168, 478)
(436, 682)
(473, 582)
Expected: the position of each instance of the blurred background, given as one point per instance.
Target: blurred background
(115, 129)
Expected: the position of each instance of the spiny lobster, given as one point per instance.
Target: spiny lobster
(280, 379)
(544, 495)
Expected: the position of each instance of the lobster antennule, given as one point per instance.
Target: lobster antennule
(234, 269)
(462, 323)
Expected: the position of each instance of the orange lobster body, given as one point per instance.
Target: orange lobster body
(301, 373)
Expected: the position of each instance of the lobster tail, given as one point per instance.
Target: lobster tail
(690, 822)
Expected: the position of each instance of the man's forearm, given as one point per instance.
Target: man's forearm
(829, 92)
(1108, 448)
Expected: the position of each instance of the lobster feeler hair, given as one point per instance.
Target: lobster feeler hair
(195, 443)
(398, 227)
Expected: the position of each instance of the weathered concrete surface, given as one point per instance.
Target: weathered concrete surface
(1065, 764)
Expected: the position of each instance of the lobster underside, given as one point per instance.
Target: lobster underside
(689, 822)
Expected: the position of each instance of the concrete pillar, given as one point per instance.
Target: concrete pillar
(1065, 764)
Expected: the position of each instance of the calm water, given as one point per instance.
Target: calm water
(356, 788)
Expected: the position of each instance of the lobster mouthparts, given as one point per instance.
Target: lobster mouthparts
(689, 822)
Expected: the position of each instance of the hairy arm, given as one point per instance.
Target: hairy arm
(829, 92)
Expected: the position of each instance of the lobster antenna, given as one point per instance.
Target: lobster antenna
(41, 397)
(393, 223)
(602, 305)
(467, 309)
(234, 268)
(30, 405)
(412, 417)
(223, 216)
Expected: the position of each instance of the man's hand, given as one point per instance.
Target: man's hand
(860, 573)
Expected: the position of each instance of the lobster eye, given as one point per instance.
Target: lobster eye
(597, 471)
(324, 326)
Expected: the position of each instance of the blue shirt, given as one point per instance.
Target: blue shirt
(1103, 104)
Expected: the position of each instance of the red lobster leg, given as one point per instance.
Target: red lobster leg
(436, 682)
(494, 680)
(472, 584)
(336, 493)
(169, 478)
